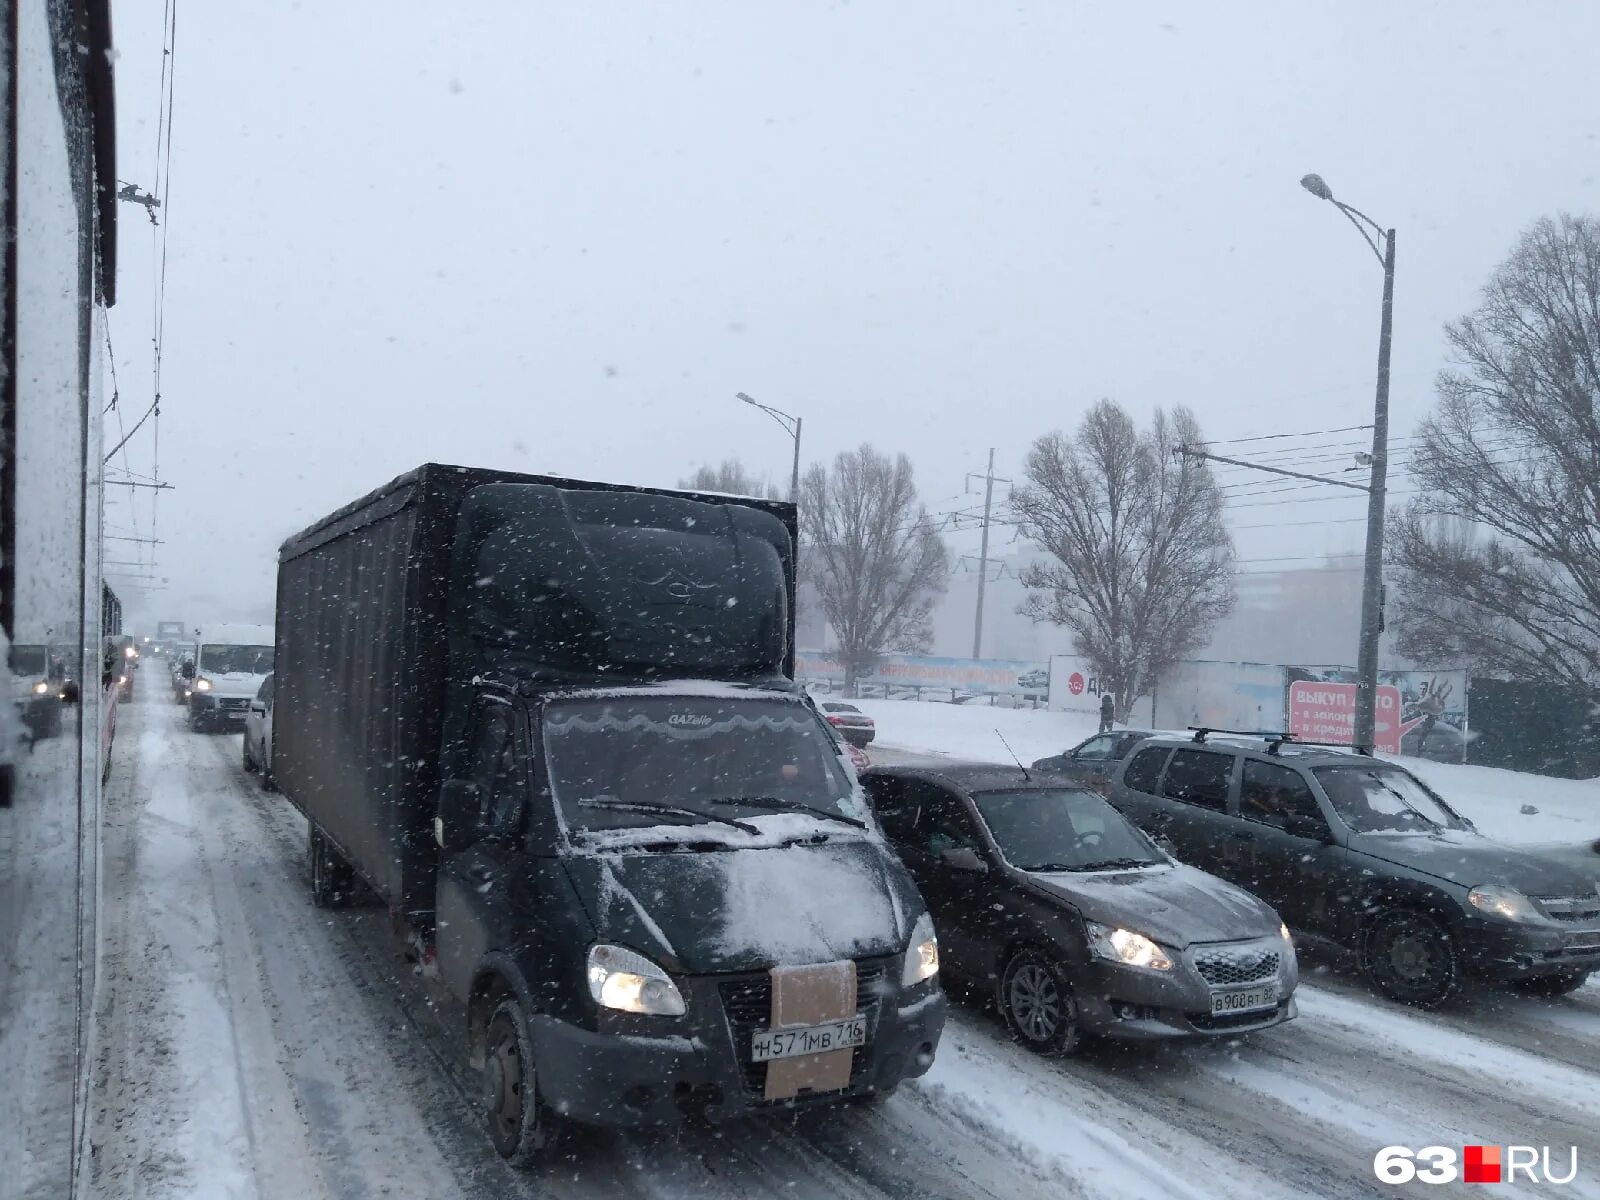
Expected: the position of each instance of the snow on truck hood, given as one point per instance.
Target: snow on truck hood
(750, 905)
(1177, 905)
(233, 683)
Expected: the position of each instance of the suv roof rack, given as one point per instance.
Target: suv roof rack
(1275, 739)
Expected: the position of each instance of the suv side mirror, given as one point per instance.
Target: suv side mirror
(963, 858)
(456, 825)
(1301, 825)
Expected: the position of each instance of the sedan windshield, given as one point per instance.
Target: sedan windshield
(1383, 799)
(625, 761)
(228, 660)
(1049, 829)
(28, 660)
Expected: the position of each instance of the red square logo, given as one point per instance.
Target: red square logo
(1481, 1164)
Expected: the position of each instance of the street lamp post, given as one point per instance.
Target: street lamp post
(791, 425)
(1372, 579)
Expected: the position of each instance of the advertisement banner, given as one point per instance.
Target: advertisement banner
(1419, 713)
(892, 671)
(1220, 695)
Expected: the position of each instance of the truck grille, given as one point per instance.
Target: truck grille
(1571, 908)
(233, 703)
(747, 1003)
(1223, 966)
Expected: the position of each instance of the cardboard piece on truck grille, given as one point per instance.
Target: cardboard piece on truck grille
(812, 995)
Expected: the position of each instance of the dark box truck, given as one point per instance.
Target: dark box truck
(553, 726)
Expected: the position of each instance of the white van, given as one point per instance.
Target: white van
(230, 661)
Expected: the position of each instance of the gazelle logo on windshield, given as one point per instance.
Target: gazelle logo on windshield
(1478, 1164)
(688, 719)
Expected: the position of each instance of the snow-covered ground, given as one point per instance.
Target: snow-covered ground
(1567, 810)
(251, 1046)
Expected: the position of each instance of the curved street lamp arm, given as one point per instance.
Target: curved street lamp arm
(1351, 214)
(782, 418)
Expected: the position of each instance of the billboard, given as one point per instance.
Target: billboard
(1220, 695)
(892, 671)
(1420, 713)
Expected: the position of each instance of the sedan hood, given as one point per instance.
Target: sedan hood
(723, 910)
(1470, 859)
(1176, 905)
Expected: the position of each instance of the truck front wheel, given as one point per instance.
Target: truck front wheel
(332, 878)
(518, 1123)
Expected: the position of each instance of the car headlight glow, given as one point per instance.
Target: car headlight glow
(1126, 947)
(1283, 932)
(202, 685)
(627, 981)
(40, 688)
(130, 651)
(922, 955)
(1506, 903)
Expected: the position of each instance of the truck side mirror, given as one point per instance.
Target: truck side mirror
(456, 826)
(187, 670)
(963, 858)
(69, 692)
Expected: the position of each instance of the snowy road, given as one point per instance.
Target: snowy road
(254, 1047)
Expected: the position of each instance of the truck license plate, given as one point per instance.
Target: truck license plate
(768, 1044)
(1243, 1001)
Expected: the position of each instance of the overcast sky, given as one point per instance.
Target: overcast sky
(559, 238)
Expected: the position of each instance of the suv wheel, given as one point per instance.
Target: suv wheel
(1552, 985)
(1038, 1005)
(1410, 957)
(518, 1123)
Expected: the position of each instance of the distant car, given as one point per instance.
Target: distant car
(853, 725)
(1093, 761)
(1042, 891)
(1034, 681)
(258, 734)
(1362, 853)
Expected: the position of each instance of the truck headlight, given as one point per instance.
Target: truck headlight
(627, 981)
(202, 685)
(922, 955)
(40, 688)
(1506, 903)
(1126, 947)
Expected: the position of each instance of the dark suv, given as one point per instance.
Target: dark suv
(1358, 851)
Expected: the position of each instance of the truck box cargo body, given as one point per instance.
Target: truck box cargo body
(554, 726)
(364, 659)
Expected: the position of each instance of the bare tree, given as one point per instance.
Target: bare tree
(1511, 452)
(1143, 560)
(873, 555)
(731, 477)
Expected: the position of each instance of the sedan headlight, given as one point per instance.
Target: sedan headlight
(1126, 947)
(202, 685)
(922, 955)
(627, 981)
(40, 688)
(1506, 903)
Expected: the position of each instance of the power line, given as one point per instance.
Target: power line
(1269, 437)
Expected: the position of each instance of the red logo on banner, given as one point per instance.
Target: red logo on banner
(1480, 1164)
(1075, 683)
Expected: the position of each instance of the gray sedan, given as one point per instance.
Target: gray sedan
(1081, 924)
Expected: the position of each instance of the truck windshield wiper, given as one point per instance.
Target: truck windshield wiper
(611, 804)
(1107, 864)
(778, 805)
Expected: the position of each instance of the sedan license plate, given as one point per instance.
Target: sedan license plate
(1223, 1003)
(768, 1044)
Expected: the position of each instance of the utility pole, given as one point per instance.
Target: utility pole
(989, 481)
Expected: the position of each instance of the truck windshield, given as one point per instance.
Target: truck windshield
(27, 660)
(723, 756)
(227, 660)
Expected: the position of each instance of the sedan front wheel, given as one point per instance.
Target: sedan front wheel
(1038, 1004)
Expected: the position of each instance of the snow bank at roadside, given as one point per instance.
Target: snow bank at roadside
(1568, 809)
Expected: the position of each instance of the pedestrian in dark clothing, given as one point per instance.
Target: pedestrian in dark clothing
(1108, 711)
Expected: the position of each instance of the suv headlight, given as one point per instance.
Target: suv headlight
(922, 955)
(1126, 947)
(627, 981)
(1506, 903)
